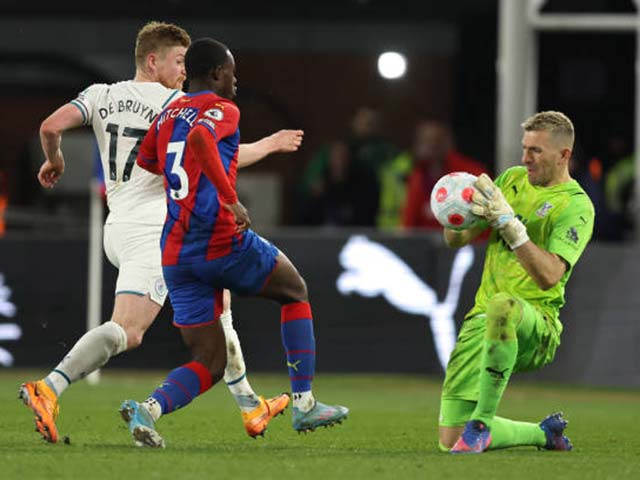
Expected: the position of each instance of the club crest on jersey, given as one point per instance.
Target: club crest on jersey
(544, 209)
(160, 287)
(214, 113)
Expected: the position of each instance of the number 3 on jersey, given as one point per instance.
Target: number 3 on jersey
(177, 148)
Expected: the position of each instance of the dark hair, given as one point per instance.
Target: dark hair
(203, 56)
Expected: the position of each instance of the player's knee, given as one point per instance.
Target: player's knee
(296, 291)
(226, 300)
(502, 313)
(301, 290)
(134, 334)
(134, 339)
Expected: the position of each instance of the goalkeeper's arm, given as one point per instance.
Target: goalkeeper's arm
(460, 238)
(545, 268)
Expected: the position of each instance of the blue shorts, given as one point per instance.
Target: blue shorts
(195, 289)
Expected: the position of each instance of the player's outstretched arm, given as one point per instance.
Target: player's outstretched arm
(283, 141)
(51, 130)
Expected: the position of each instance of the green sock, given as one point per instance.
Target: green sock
(442, 448)
(509, 433)
(498, 358)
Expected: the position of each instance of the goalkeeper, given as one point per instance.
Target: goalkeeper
(542, 221)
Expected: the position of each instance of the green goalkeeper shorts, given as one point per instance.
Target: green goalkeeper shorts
(538, 338)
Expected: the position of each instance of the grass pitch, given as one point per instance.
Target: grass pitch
(391, 433)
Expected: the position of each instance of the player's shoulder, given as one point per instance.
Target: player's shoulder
(578, 199)
(570, 200)
(512, 175)
(517, 172)
(149, 89)
(211, 100)
(219, 108)
(93, 89)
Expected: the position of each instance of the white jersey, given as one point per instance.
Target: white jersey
(121, 114)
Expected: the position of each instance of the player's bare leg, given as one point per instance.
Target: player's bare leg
(256, 411)
(286, 286)
(132, 316)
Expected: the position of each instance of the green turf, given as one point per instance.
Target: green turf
(391, 433)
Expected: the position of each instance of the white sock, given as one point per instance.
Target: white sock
(89, 353)
(235, 372)
(304, 401)
(153, 407)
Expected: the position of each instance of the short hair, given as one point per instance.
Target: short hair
(155, 36)
(204, 55)
(555, 122)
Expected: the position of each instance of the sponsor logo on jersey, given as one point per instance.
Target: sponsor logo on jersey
(214, 113)
(544, 209)
(572, 234)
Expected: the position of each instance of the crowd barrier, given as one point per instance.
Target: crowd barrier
(381, 303)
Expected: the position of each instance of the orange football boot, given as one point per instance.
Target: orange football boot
(256, 421)
(43, 401)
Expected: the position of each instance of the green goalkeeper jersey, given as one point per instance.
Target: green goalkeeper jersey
(559, 219)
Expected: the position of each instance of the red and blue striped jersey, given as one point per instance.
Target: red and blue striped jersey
(197, 227)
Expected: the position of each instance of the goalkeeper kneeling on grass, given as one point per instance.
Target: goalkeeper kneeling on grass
(542, 221)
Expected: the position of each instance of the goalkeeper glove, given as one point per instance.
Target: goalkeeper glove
(489, 203)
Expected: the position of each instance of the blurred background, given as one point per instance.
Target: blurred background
(379, 131)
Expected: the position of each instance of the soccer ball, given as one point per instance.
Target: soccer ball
(451, 201)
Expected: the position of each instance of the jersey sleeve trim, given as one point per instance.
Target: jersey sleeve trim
(208, 125)
(166, 102)
(83, 110)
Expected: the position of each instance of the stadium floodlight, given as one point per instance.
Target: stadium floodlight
(392, 65)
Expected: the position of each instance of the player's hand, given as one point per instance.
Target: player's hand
(240, 214)
(286, 141)
(51, 171)
(489, 203)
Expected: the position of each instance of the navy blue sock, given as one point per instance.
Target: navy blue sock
(299, 343)
(182, 385)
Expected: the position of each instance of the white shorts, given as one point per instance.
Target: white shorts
(135, 251)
